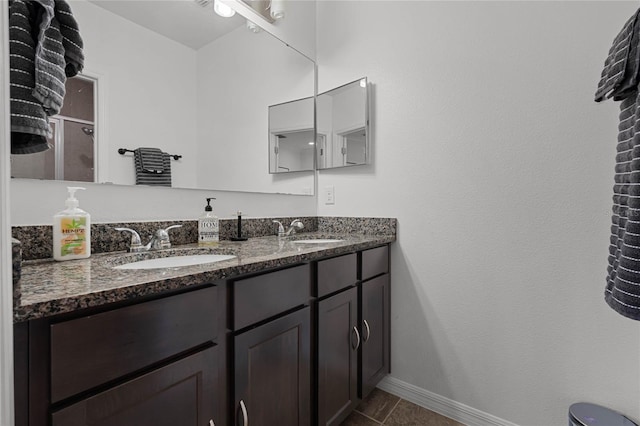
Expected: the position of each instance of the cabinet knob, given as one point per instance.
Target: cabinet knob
(367, 330)
(245, 416)
(211, 423)
(357, 333)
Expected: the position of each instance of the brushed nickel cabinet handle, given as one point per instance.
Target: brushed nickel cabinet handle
(245, 416)
(355, 329)
(368, 330)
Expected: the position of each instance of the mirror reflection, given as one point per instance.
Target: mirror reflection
(343, 126)
(72, 153)
(291, 136)
(167, 78)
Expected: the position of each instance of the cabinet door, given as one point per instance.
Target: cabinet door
(338, 341)
(182, 393)
(375, 332)
(272, 373)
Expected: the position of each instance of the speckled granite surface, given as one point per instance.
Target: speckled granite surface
(50, 287)
(37, 241)
(358, 225)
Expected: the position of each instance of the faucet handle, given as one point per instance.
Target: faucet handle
(280, 228)
(296, 224)
(163, 236)
(136, 243)
(171, 227)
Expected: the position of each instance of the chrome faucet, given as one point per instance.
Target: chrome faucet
(296, 224)
(159, 240)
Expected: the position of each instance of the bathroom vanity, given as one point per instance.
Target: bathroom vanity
(285, 333)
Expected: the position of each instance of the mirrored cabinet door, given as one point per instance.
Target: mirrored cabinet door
(343, 136)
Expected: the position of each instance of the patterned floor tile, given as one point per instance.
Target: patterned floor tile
(378, 405)
(357, 419)
(408, 414)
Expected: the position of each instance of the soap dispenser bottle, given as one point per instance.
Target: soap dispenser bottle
(208, 230)
(71, 230)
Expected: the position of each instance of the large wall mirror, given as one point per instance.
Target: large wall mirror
(172, 75)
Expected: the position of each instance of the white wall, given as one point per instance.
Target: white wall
(35, 202)
(150, 93)
(490, 151)
(239, 76)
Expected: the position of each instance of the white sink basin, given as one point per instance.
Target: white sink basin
(316, 241)
(175, 261)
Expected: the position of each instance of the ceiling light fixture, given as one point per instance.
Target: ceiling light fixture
(253, 27)
(276, 9)
(222, 9)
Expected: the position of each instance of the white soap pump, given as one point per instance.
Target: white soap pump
(71, 230)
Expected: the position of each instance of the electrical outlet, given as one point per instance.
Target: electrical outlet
(329, 195)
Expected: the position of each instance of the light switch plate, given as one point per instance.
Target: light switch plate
(329, 195)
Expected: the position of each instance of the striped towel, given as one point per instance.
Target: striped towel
(71, 40)
(58, 33)
(153, 167)
(45, 49)
(29, 122)
(622, 290)
(620, 74)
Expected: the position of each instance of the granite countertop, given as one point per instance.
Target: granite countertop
(49, 287)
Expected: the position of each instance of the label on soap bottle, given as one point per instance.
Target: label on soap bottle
(208, 232)
(73, 233)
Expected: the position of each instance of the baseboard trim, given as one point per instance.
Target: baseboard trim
(445, 406)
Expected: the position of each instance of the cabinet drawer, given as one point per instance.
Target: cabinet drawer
(264, 296)
(337, 273)
(181, 393)
(375, 262)
(95, 349)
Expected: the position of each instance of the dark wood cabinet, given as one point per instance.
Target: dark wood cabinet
(353, 332)
(296, 346)
(155, 362)
(181, 393)
(375, 349)
(94, 349)
(338, 341)
(272, 372)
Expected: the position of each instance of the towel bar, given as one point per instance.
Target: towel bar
(122, 151)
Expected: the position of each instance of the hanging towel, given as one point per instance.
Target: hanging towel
(153, 167)
(45, 49)
(29, 122)
(58, 33)
(71, 40)
(151, 159)
(620, 74)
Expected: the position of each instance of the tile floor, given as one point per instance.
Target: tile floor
(382, 408)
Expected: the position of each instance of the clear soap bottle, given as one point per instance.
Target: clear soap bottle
(208, 229)
(71, 230)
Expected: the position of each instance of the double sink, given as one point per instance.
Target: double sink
(175, 258)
